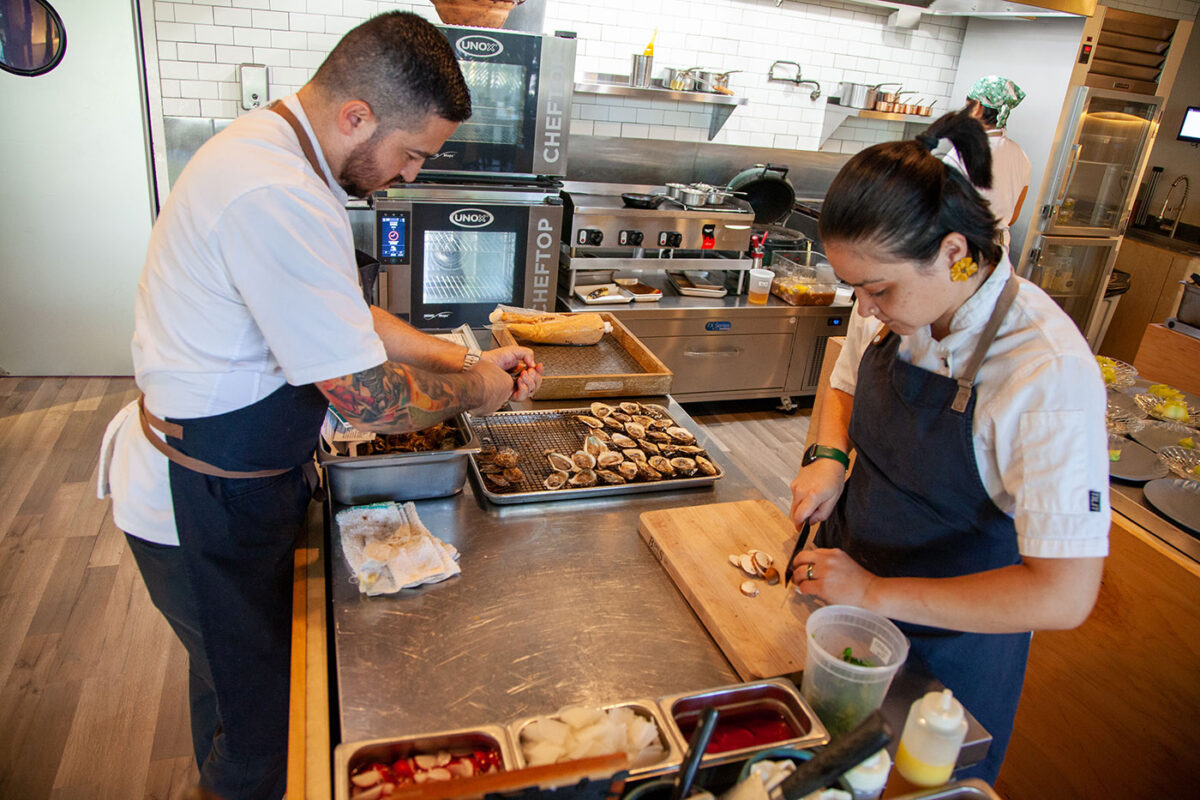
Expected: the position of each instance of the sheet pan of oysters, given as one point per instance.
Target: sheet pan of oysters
(622, 448)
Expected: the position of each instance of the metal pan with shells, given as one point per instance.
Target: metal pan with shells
(588, 451)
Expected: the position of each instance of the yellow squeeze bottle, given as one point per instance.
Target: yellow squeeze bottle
(649, 51)
(932, 737)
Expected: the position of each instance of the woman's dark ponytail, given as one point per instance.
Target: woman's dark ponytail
(903, 199)
(970, 140)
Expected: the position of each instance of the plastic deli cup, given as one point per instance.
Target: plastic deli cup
(760, 285)
(853, 654)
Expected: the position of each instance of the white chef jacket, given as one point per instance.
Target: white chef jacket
(250, 281)
(1010, 174)
(1039, 433)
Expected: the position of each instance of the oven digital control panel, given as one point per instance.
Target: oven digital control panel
(393, 237)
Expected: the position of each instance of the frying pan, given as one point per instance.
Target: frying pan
(633, 200)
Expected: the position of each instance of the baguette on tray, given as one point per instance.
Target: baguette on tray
(542, 327)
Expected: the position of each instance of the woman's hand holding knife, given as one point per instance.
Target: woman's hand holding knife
(828, 573)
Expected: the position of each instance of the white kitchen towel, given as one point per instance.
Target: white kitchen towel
(389, 549)
(106, 448)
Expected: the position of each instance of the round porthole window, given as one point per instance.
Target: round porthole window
(32, 37)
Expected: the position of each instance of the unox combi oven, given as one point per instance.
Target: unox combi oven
(521, 86)
(452, 253)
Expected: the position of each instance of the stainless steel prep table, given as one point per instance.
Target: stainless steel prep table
(558, 603)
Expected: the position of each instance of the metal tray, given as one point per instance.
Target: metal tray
(353, 480)
(348, 756)
(773, 694)
(532, 433)
(670, 762)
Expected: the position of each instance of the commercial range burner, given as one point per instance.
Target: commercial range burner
(597, 216)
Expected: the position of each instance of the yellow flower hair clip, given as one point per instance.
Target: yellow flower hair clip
(962, 269)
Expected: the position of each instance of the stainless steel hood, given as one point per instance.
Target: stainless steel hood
(908, 12)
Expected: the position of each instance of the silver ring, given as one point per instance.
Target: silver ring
(808, 574)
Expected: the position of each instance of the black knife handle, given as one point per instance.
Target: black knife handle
(801, 541)
(841, 755)
(695, 752)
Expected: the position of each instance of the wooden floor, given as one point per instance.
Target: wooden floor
(93, 684)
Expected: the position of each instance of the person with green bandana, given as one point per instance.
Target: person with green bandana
(991, 99)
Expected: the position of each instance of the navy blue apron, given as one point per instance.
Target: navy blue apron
(915, 506)
(240, 483)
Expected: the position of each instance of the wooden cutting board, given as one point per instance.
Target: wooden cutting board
(763, 636)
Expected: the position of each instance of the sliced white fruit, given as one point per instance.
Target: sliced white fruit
(749, 588)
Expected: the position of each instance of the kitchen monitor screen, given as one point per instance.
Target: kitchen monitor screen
(1189, 131)
(393, 238)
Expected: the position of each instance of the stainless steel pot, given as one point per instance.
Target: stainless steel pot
(674, 190)
(706, 79)
(693, 196)
(680, 80)
(862, 95)
(722, 81)
(855, 95)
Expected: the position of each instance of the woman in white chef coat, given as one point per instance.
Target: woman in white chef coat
(977, 508)
(990, 100)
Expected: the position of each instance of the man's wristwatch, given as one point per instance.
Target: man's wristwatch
(821, 451)
(471, 358)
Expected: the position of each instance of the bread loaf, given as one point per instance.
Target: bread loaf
(576, 329)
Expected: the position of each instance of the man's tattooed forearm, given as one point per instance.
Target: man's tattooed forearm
(396, 396)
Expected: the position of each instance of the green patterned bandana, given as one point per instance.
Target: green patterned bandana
(998, 93)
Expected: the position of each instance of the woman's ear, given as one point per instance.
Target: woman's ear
(953, 247)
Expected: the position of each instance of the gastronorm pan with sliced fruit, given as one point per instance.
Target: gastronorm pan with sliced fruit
(602, 449)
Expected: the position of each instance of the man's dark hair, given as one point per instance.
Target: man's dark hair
(901, 197)
(402, 66)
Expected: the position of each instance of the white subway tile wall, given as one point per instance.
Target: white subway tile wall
(201, 43)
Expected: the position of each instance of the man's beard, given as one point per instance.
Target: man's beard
(360, 175)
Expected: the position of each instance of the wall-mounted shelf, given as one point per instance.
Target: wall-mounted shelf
(836, 114)
(618, 86)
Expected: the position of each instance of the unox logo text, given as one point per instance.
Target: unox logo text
(480, 46)
(472, 218)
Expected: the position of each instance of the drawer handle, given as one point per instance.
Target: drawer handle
(735, 351)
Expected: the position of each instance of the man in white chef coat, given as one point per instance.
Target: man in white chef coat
(249, 323)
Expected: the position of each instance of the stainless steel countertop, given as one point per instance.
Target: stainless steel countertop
(1159, 239)
(558, 603)
(1129, 499)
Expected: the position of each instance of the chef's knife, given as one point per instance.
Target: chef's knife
(841, 755)
(801, 541)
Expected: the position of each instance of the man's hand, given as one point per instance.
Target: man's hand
(495, 386)
(518, 362)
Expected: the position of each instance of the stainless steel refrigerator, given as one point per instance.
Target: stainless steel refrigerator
(1095, 166)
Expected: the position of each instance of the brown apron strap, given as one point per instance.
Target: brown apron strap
(1007, 295)
(149, 421)
(305, 143)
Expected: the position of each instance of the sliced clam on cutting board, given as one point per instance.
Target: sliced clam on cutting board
(762, 636)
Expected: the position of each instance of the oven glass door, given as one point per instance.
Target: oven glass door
(502, 72)
(467, 258)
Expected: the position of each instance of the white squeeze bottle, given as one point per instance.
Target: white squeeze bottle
(933, 735)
